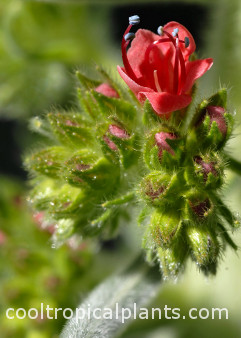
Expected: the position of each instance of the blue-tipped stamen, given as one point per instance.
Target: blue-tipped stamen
(175, 32)
(129, 36)
(134, 20)
(186, 41)
(160, 30)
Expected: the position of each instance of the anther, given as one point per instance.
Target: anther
(134, 20)
(160, 30)
(186, 41)
(129, 36)
(175, 32)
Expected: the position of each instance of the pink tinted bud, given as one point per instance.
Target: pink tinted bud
(118, 132)
(216, 114)
(106, 90)
(162, 144)
(207, 167)
(110, 143)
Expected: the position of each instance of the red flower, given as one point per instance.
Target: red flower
(157, 67)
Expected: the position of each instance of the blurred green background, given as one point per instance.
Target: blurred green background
(41, 44)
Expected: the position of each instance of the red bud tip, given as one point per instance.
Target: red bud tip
(106, 90)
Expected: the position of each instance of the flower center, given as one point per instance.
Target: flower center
(179, 72)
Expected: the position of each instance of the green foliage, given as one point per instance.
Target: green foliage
(111, 152)
(32, 272)
(40, 45)
(183, 190)
(83, 180)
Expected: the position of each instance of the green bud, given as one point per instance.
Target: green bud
(205, 247)
(206, 171)
(163, 149)
(60, 200)
(85, 167)
(72, 129)
(164, 228)
(172, 259)
(160, 189)
(115, 107)
(122, 142)
(211, 125)
(198, 207)
(47, 161)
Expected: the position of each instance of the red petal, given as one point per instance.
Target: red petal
(183, 32)
(106, 90)
(136, 53)
(136, 88)
(195, 69)
(164, 103)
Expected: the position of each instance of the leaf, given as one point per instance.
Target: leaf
(136, 285)
(227, 238)
(119, 201)
(226, 213)
(233, 164)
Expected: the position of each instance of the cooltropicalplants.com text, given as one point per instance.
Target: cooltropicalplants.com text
(119, 313)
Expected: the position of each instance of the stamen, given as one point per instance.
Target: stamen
(134, 20)
(125, 41)
(183, 69)
(129, 36)
(186, 41)
(175, 32)
(175, 77)
(160, 30)
(156, 81)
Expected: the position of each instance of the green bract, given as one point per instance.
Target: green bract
(111, 156)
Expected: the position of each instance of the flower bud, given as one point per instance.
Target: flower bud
(217, 114)
(207, 171)
(162, 144)
(205, 247)
(162, 149)
(85, 168)
(161, 189)
(107, 90)
(164, 228)
(199, 208)
(110, 143)
(172, 259)
(213, 127)
(117, 132)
